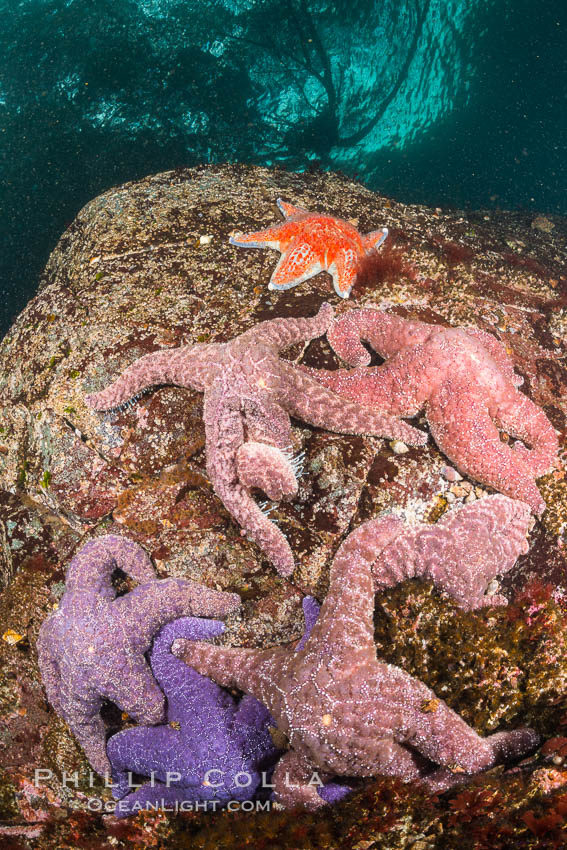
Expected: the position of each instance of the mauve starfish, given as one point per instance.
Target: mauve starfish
(212, 747)
(311, 243)
(92, 647)
(250, 394)
(344, 712)
(461, 553)
(465, 382)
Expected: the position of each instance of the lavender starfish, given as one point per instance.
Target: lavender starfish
(461, 553)
(249, 396)
(344, 712)
(465, 382)
(211, 748)
(92, 647)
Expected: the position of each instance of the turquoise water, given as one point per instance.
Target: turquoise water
(453, 102)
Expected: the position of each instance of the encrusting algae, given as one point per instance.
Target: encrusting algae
(497, 667)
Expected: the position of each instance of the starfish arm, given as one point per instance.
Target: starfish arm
(297, 264)
(521, 418)
(172, 674)
(251, 728)
(281, 333)
(187, 367)
(512, 744)
(130, 684)
(373, 240)
(250, 670)
(150, 606)
(311, 402)
(291, 779)
(132, 751)
(288, 210)
(311, 609)
(333, 792)
(461, 553)
(81, 713)
(92, 567)
(377, 541)
(266, 467)
(434, 730)
(399, 387)
(397, 760)
(380, 387)
(251, 712)
(456, 746)
(376, 537)
(258, 527)
(225, 434)
(143, 750)
(462, 428)
(385, 332)
(343, 270)
(277, 237)
(441, 780)
(70, 693)
(519, 742)
(346, 616)
(484, 539)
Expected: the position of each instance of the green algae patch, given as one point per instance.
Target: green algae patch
(497, 667)
(8, 791)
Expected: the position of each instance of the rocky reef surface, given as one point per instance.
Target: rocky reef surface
(148, 266)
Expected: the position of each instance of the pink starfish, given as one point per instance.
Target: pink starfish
(311, 243)
(249, 396)
(344, 712)
(465, 382)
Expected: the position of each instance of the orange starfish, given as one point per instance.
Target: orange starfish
(311, 243)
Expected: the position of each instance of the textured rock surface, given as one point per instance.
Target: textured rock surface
(131, 275)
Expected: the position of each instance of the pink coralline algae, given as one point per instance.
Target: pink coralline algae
(344, 712)
(92, 647)
(250, 394)
(465, 382)
(311, 243)
(461, 554)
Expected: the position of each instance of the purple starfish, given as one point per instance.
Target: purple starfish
(212, 748)
(92, 647)
(249, 396)
(461, 553)
(344, 712)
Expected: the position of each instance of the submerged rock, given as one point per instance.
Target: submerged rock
(148, 266)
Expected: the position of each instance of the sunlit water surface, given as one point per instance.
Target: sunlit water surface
(455, 102)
